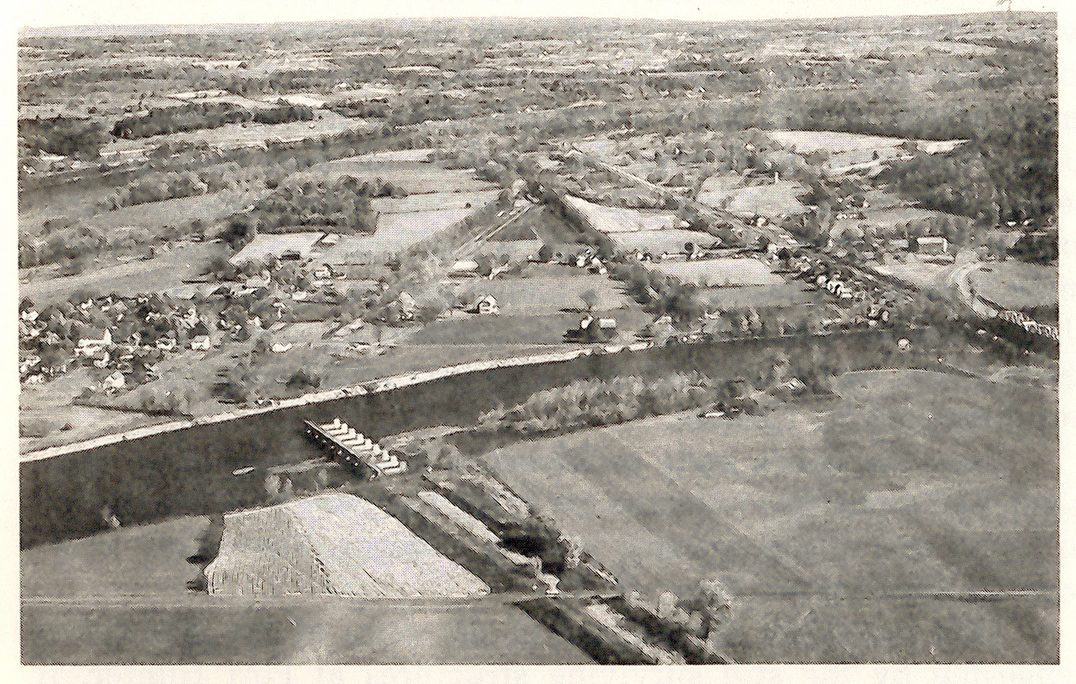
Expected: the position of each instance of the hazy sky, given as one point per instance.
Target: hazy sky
(33, 13)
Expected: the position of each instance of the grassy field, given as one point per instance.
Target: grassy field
(311, 632)
(806, 142)
(433, 201)
(415, 177)
(520, 329)
(782, 294)
(617, 219)
(167, 270)
(539, 222)
(1017, 284)
(235, 135)
(395, 232)
(733, 271)
(145, 560)
(770, 199)
(658, 241)
(826, 522)
(919, 272)
(120, 597)
(547, 294)
(276, 243)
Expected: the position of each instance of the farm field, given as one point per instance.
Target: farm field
(145, 560)
(833, 142)
(731, 271)
(542, 223)
(326, 631)
(925, 273)
(519, 329)
(831, 526)
(658, 241)
(538, 293)
(770, 199)
(1017, 284)
(851, 148)
(80, 203)
(617, 219)
(785, 294)
(276, 243)
(395, 233)
(433, 201)
(248, 134)
(166, 270)
(415, 155)
(331, 543)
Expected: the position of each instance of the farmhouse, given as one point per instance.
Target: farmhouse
(932, 245)
(485, 304)
(592, 329)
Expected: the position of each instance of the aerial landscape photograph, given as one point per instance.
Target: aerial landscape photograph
(692, 339)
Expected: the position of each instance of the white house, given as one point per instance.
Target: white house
(932, 245)
(115, 381)
(485, 304)
(202, 343)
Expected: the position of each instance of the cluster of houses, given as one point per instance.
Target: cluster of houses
(129, 335)
(862, 302)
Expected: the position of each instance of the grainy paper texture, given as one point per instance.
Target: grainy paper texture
(728, 337)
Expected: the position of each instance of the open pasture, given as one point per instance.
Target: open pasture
(325, 632)
(519, 330)
(247, 134)
(658, 241)
(1017, 284)
(542, 294)
(828, 525)
(785, 294)
(395, 233)
(169, 269)
(433, 201)
(724, 271)
(618, 220)
(769, 199)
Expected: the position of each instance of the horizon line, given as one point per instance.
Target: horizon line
(70, 29)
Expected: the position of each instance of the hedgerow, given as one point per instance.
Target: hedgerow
(592, 403)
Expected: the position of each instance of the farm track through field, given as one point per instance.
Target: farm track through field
(1032, 625)
(488, 601)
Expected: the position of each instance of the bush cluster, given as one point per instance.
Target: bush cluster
(659, 293)
(587, 403)
(67, 136)
(200, 115)
(343, 204)
(158, 187)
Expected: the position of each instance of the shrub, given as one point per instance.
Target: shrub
(303, 379)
